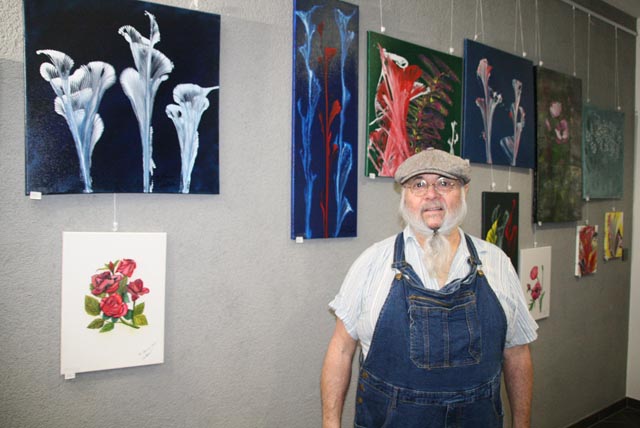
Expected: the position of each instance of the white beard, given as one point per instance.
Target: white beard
(437, 249)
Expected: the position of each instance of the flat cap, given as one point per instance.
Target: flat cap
(434, 161)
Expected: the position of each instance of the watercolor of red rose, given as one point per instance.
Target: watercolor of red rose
(114, 297)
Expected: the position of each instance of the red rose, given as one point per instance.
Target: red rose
(534, 272)
(126, 267)
(113, 306)
(105, 282)
(536, 291)
(137, 289)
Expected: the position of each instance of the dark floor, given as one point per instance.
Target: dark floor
(625, 418)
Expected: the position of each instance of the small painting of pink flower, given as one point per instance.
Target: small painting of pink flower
(536, 291)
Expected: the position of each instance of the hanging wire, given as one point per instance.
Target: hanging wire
(589, 59)
(114, 226)
(493, 181)
(574, 40)
(616, 80)
(586, 208)
(382, 29)
(519, 19)
(451, 31)
(194, 5)
(538, 43)
(479, 7)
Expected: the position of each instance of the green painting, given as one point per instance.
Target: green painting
(603, 153)
(559, 157)
(414, 99)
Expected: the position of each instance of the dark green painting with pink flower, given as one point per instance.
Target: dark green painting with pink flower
(558, 192)
(114, 298)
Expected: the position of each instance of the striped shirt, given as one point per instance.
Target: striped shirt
(367, 284)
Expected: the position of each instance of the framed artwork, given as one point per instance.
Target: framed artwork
(325, 119)
(414, 101)
(586, 250)
(113, 296)
(123, 100)
(603, 153)
(535, 277)
(559, 150)
(500, 221)
(613, 233)
(499, 116)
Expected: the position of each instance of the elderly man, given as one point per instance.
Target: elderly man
(438, 314)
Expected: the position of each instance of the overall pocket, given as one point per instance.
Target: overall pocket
(444, 334)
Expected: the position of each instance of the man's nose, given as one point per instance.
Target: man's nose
(431, 192)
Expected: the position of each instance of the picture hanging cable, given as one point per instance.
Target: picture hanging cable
(382, 29)
(538, 44)
(479, 7)
(451, 31)
(518, 20)
(586, 209)
(574, 41)
(588, 58)
(114, 227)
(194, 5)
(493, 181)
(616, 81)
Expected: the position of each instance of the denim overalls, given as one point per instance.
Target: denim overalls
(436, 356)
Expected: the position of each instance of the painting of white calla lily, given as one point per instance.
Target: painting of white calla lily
(120, 98)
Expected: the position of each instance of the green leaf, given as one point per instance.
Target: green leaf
(128, 315)
(122, 288)
(91, 306)
(107, 327)
(96, 323)
(140, 320)
(139, 309)
(125, 298)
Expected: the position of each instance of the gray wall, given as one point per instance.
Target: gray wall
(246, 316)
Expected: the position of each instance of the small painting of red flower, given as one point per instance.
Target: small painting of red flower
(536, 291)
(118, 296)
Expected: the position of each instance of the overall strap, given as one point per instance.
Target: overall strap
(474, 259)
(402, 266)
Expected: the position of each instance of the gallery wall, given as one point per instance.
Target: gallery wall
(633, 358)
(246, 323)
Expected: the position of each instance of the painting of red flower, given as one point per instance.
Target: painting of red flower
(535, 278)
(112, 300)
(117, 295)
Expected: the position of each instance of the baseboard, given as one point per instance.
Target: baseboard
(606, 412)
(633, 403)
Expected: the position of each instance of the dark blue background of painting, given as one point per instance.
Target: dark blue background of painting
(87, 30)
(331, 37)
(505, 68)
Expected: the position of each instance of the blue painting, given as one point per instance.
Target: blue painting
(325, 119)
(498, 107)
(602, 153)
(120, 98)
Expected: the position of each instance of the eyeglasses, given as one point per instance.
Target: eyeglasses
(419, 187)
